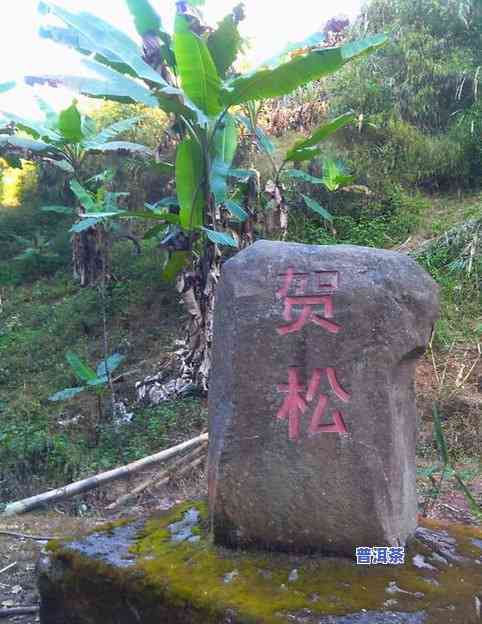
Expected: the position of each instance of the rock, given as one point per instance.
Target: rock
(311, 402)
(86, 581)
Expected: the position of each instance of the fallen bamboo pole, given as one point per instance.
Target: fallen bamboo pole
(14, 611)
(159, 479)
(91, 483)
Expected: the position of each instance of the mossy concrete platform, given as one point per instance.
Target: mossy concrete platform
(166, 571)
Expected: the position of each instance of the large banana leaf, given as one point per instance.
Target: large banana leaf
(85, 198)
(146, 19)
(225, 145)
(268, 83)
(70, 124)
(80, 368)
(24, 148)
(31, 127)
(111, 131)
(224, 44)
(112, 85)
(122, 148)
(196, 68)
(6, 86)
(320, 134)
(117, 44)
(189, 184)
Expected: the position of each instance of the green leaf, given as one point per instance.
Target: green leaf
(236, 210)
(63, 165)
(111, 131)
(122, 148)
(32, 127)
(85, 198)
(306, 153)
(242, 174)
(65, 395)
(263, 141)
(99, 381)
(282, 80)
(59, 209)
(315, 206)
(321, 133)
(196, 68)
(224, 44)
(22, 146)
(117, 43)
(439, 437)
(225, 145)
(154, 231)
(112, 85)
(85, 224)
(110, 365)
(80, 368)
(189, 184)
(146, 19)
(334, 176)
(302, 175)
(220, 238)
(6, 86)
(70, 124)
(176, 263)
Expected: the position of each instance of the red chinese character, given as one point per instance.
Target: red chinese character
(295, 404)
(328, 283)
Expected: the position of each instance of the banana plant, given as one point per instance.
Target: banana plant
(189, 74)
(65, 140)
(96, 381)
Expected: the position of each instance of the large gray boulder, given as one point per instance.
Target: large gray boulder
(311, 401)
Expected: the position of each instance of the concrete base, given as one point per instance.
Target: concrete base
(166, 571)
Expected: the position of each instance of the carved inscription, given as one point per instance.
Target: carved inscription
(308, 298)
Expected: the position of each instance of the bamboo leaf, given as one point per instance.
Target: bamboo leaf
(315, 206)
(197, 71)
(189, 183)
(80, 368)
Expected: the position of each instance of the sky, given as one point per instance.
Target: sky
(269, 24)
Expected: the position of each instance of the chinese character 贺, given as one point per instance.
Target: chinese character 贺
(300, 295)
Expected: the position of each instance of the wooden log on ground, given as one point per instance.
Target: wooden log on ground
(91, 483)
(159, 479)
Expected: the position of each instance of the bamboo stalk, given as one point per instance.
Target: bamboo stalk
(161, 479)
(9, 567)
(14, 611)
(91, 483)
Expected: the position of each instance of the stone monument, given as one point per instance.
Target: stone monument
(312, 404)
(312, 455)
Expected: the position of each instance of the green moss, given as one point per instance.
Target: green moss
(194, 576)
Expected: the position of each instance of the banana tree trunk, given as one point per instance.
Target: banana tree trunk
(90, 255)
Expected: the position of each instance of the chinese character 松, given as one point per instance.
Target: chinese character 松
(297, 398)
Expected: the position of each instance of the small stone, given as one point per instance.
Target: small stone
(315, 598)
(294, 576)
(283, 587)
(267, 574)
(390, 603)
(419, 562)
(438, 558)
(229, 578)
(16, 589)
(478, 543)
(8, 603)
